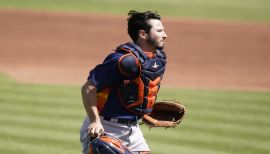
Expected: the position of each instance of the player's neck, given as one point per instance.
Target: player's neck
(146, 47)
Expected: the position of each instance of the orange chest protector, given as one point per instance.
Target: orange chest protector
(138, 95)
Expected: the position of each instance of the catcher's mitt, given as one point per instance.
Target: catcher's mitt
(166, 114)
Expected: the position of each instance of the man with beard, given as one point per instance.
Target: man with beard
(124, 87)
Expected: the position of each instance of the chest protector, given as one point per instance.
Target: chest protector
(139, 94)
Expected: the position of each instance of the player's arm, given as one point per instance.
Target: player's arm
(89, 98)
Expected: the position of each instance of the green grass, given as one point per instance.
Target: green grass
(217, 122)
(46, 119)
(255, 10)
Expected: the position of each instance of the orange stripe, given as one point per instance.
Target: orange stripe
(114, 142)
(149, 54)
(91, 149)
(155, 82)
(151, 101)
(140, 92)
(102, 98)
(153, 91)
(153, 86)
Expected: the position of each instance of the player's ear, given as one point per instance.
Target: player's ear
(142, 34)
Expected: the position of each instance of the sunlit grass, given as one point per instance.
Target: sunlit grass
(255, 10)
(46, 119)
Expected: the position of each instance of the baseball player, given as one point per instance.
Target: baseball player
(124, 87)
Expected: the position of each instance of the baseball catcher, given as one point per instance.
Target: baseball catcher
(168, 113)
(123, 89)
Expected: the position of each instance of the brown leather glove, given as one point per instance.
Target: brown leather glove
(167, 113)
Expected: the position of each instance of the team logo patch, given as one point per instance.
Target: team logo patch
(155, 65)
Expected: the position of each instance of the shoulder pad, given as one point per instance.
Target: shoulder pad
(128, 65)
(161, 54)
(135, 49)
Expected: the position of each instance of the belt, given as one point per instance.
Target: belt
(121, 121)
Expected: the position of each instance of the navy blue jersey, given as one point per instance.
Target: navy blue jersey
(106, 75)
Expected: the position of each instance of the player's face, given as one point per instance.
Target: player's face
(157, 35)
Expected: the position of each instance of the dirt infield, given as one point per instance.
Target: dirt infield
(61, 48)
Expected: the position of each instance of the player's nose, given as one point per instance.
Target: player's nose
(164, 35)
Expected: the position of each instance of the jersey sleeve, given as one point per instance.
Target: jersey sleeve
(107, 73)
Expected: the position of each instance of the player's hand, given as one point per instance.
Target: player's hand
(95, 129)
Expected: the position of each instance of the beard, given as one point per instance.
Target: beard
(155, 43)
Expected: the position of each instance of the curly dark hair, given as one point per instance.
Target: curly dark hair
(138, 21)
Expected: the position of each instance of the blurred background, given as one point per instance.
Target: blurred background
(218, 66)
